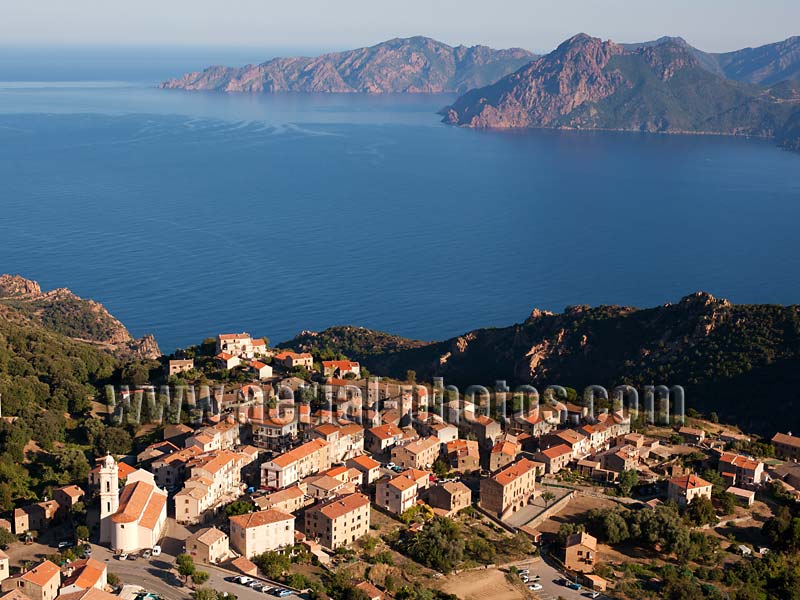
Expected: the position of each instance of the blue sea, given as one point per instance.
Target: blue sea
(189, 214)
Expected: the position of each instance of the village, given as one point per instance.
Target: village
(337, 503)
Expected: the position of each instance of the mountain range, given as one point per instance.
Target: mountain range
(662, 86)
(411, 65)
(742, 361)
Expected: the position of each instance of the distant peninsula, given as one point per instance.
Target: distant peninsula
(408, 65)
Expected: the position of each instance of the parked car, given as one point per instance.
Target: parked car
(243, 580)
(524, 578)
(284, 593)
(523, 571)
(147, 554)
(64, 544)
(535, 587)
(390, 465)
(255, 584)
(573, 586)
(156, 550)
(231, 579)
(123, 556)
(594, 595)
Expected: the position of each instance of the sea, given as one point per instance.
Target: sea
(192, 213)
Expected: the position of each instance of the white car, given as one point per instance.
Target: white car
(123, 556)
(524, 578)
(594, 595)
(523, 571)
(156, 550)
(390, 465)
(535, 587)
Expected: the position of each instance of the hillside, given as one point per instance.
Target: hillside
(587, 83)
(410, 65)
(361, 343)
(737, 360)
(60, 311)
(765, 65)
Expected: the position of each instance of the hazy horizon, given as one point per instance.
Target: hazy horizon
(251, 24)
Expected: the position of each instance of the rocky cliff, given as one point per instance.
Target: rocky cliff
(410, 65)
(588, 83)
(742, 361)
(63, 312)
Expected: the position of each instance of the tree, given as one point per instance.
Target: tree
(727, 503)
(701, 511)
(627, 481)
(548, 497)
(82, 532)
(113, 579)
(113, 440)
(205, 593)
(200, 577)
(440, 468)
(439, 546)
(239, 507)
(185, 566)
(273, 564)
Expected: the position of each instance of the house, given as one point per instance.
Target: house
(289, 468)
(346, 441)
(174, 367)
(586, 467)
(83, 574)
(155, 451)
(370, 469)
(234, 343)
(555, 458)
(338, 522)
(259, 347)
(294, 360)
(686, 488)
(260, 369)
(208, 546)
(227, 361)
(536, 423)
(503, 453)
(510, 489)
(5, 570)
(618, 460)
(396, 494)
(324, 487)
(263, 531)
(486, 429)
(222, 436)
(135, 517)
(271, 431)
(746, 472)
(744, 497)
(214, 478)
(463, 455)
(340, 368)
(580, 553)
(418, 454)
(245, 566)
(382, 438)
(449, 498)
(371, 591)
(577, 442)
(787, 446)
(170, 470)
(289, 500)
(35, 517)
(419, 476)
(39, 583)
(692, 435)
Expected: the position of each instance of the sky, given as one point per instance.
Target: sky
(538, 25)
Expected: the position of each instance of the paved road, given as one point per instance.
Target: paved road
(156, 575)
(550, 578)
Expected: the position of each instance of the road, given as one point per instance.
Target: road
(156, 575)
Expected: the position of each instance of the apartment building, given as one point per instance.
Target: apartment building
(555, 458)
(338, 522)
(510, 489)
(263, 531)
(290, 467)
(742, 471)
(382, 438)
(370, 469)
(419, 454)
(396, 494)
(345, 441)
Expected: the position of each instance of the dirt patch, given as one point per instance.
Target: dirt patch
(575, 511)
(482, 583)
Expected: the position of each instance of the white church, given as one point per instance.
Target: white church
(136, 517)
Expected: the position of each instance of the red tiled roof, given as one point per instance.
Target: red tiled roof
(689, 482)
(262, 517)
